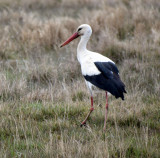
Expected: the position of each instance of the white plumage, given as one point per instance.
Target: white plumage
(87, 62)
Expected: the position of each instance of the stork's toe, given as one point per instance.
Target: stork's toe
(83, 124)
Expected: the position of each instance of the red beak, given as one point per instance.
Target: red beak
(74, 36)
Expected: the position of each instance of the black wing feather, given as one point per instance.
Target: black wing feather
(107, 68)
(108, 80)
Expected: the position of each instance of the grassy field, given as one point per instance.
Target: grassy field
(43, 97)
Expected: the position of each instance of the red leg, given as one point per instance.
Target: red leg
(106, 110)
(91, 109)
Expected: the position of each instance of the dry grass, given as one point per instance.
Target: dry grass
(42, 96)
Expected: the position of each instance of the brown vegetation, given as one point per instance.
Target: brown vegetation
(43, 96)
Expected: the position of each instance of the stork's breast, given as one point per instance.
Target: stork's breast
(88, 68)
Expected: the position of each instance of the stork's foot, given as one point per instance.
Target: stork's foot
(83, 124)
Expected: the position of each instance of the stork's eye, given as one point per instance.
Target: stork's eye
(79, 29)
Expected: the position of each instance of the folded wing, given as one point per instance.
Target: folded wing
(108, 80)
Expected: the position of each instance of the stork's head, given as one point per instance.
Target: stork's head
(83, 30)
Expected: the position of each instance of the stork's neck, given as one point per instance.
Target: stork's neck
(81, 49)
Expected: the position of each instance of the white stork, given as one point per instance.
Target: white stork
(97, 69)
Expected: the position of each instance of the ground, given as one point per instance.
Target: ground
(43, 96)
